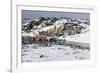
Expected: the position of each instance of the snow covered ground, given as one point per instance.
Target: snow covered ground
(33, 53)
(80, 38)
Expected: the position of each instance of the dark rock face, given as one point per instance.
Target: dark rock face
(72, 25)
(73, 28)
(26, 40)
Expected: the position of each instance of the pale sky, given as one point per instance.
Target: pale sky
(32, 14)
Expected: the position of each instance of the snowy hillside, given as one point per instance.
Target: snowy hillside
(81, 38)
